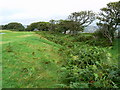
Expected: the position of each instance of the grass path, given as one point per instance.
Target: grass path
(29, 61)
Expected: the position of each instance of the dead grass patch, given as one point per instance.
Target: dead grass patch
(25, 36)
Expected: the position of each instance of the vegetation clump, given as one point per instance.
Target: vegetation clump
(14, 26)
(86, 65)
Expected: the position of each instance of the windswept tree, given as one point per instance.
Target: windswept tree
(109, 20)
(65, 25)
(83, 18)
(74, 27)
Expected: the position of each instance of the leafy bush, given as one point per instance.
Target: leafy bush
(100, 39)
(86, 66)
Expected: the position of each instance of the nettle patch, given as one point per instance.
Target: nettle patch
(87, 68)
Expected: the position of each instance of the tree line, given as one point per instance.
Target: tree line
(108, 17)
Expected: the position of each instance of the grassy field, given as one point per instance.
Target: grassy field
(29, 60)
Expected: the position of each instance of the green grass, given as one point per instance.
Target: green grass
(29, 60)
(115, 52)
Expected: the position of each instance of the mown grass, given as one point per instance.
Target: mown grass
(29, 61)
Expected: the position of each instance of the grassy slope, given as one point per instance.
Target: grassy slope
(29, 61)
(115, 51)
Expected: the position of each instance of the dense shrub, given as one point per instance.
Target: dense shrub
(100, 39)
(85, 66)
(82, 38)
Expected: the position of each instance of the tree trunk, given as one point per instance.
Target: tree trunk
(111, 41)
(64, 32)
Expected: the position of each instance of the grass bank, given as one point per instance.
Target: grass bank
(29, 60)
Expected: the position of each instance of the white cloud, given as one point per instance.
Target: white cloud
(36, 10)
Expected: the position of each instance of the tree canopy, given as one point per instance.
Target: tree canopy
(85, 18)
(79, 20)
(41, 26)
(109, 20)
(14, 26)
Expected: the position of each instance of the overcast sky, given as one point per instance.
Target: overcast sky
(28, 11)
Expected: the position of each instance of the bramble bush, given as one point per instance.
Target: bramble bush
(85, 66)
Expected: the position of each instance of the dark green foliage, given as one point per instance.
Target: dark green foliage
(3, 27)
(64, 25)
(83, 38)
(52, 25)
(14, 26)
(86, 65)
(41, 26)
(32, 26)
(115, 76)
